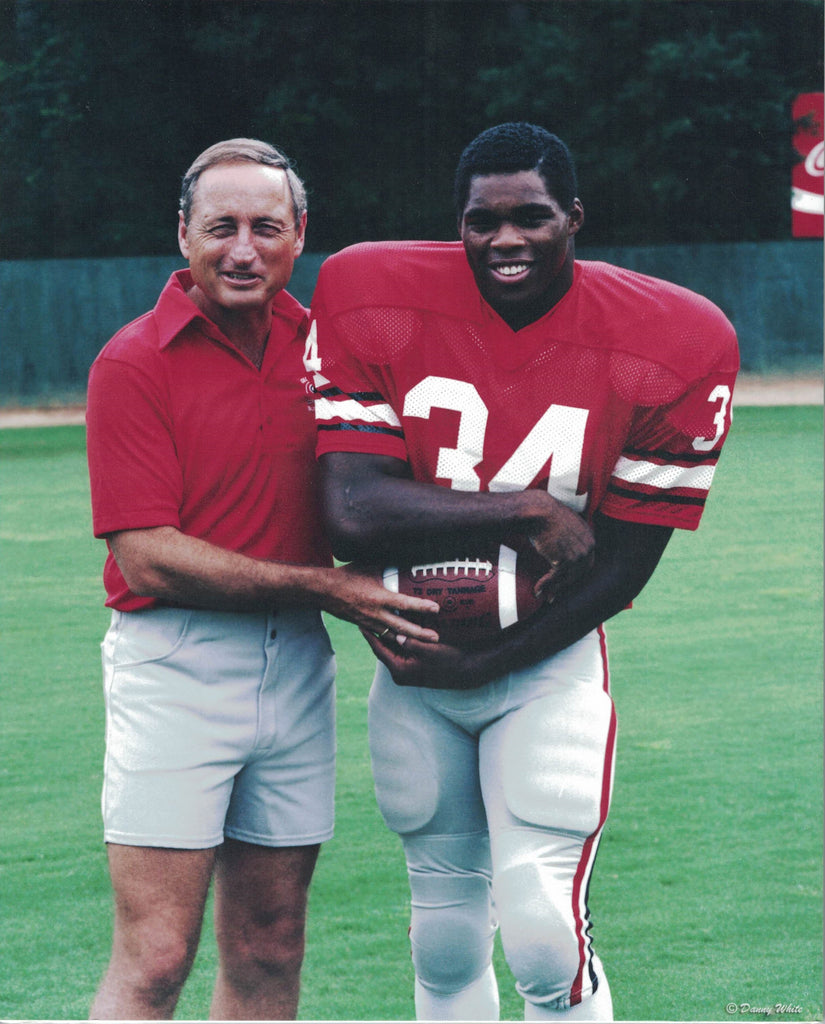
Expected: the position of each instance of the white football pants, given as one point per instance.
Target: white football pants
(499, 795)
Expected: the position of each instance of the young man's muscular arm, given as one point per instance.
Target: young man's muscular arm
(378, 515)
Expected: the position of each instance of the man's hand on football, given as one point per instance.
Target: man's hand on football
(436, 666)
(357, 596)
(566, 542)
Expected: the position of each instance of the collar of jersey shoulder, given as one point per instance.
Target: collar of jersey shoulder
(491, 314)
(175, 311)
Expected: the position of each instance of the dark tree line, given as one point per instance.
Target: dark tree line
(678, 111)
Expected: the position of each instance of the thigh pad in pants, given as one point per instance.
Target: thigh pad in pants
(425, 766)
(550, 761)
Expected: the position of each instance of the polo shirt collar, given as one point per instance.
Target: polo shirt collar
(175, 311)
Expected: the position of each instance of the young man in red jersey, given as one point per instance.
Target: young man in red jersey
(467, 393)
(220, 746)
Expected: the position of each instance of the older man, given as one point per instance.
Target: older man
(218, 671)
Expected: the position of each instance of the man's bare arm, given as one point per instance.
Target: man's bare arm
(376, 514)
(168, 565)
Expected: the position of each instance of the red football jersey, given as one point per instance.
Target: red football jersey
(618, 399)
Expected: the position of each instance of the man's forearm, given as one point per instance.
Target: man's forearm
(556, 626)
(172, 567)
(422, 521)
(626, 556)
(376, 514)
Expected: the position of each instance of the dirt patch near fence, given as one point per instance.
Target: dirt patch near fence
(755, 389)
(51, 416)
(751, 389)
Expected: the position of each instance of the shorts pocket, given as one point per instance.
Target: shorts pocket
(147, 637)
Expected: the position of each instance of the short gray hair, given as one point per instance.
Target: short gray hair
(249, 150)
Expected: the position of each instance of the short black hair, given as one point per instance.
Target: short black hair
(517, 146)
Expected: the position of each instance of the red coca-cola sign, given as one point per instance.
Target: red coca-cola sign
(807, 204)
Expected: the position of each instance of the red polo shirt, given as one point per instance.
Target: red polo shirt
(184, 431)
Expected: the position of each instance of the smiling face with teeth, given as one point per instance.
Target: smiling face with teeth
(241, 241)
(519, 244)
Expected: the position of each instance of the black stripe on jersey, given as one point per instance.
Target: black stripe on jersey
(666, 456)
(359, 396)
(673, 499)
(361, 429)
(367, 396)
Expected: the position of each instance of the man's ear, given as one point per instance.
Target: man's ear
(183, 245)
(299, 241)
(576, 216)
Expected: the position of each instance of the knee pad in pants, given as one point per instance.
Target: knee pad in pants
(452, 924)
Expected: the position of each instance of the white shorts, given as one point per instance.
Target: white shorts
(218, 724)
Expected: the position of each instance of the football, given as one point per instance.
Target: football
(478, 597)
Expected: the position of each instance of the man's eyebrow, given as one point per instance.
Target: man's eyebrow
(535, 208)
(229, 218)
(524, 208)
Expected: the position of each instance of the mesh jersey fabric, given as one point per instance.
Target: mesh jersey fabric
(618, 399)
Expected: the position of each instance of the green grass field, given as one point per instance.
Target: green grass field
(708, 885)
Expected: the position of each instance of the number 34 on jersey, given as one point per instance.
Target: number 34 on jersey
(662, 475)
